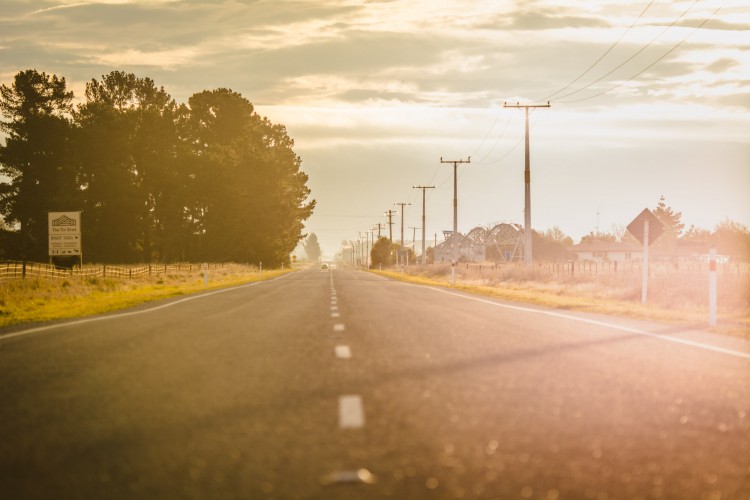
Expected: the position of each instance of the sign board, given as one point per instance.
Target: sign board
(655, 227)
(64, 233)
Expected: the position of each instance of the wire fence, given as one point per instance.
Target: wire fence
(594, 268)
(12, 270)
(670, 284)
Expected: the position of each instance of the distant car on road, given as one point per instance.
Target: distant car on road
(324, 266)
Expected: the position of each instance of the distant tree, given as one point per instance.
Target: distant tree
(384, 252)
(551, 245)
(666, 243)
(312, 248)
(696, 235)
(35, 157)
(733, 239)
(598, 236)
(672, 220)
(430, 255)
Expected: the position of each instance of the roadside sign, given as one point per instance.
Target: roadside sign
(646, 228)
(64, 233)
(655, 227)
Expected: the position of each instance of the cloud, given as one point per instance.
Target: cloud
(722, 65)
(534, 20)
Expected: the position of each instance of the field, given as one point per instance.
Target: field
(42, 298)
(675, 294)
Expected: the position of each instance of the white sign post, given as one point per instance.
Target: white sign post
(644, 272)
(645, 228)
(712, 288)
(64, 233)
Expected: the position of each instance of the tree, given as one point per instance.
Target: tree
(211, 180)
(244, 169)
(672, 220)
(127, 145)
(598, 236)
(551, 245)
(384, 252)
(36, 156)
(666, 244)
(312, 248)
(733, 239)
(696, 235)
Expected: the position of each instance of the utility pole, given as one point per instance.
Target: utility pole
(389, 214)
(402, 205)
(414, 236)
(380, 226)
(359, 253)
(455, 215)
(424, 224)
(368, 235)
(527, 182)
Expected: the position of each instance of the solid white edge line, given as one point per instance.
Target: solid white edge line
(133, 313)
(351, 413)
(628, 329)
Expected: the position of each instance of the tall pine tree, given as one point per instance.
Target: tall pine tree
(36, 157)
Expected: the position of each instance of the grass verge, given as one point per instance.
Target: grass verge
(730, 324)
(39, 299)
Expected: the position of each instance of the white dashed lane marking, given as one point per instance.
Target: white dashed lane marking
(343, 352)
(351, 412)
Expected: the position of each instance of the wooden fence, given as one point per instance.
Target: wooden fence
(10, 270)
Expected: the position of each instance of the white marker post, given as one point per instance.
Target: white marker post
(644, 281)
(205, 274)
(712, 287)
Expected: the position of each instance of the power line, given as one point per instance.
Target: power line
(532, 124)
(675, 47)
(631, 57)
(600, 57)
(497, 141)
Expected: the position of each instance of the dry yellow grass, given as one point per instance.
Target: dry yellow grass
(674, 298)
(45, 299)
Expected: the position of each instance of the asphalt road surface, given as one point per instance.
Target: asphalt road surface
(343, 385)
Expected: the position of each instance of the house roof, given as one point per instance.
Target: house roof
(606, 246)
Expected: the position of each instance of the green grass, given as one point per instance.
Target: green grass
(40, 299)
(574, 298)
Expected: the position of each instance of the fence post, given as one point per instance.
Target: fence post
(23, 270)
(712, 287)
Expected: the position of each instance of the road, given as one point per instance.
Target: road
(341, 385)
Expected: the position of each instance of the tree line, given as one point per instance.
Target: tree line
(154, 180)
(728, 237)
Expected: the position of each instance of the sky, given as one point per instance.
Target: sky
(647, 99)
